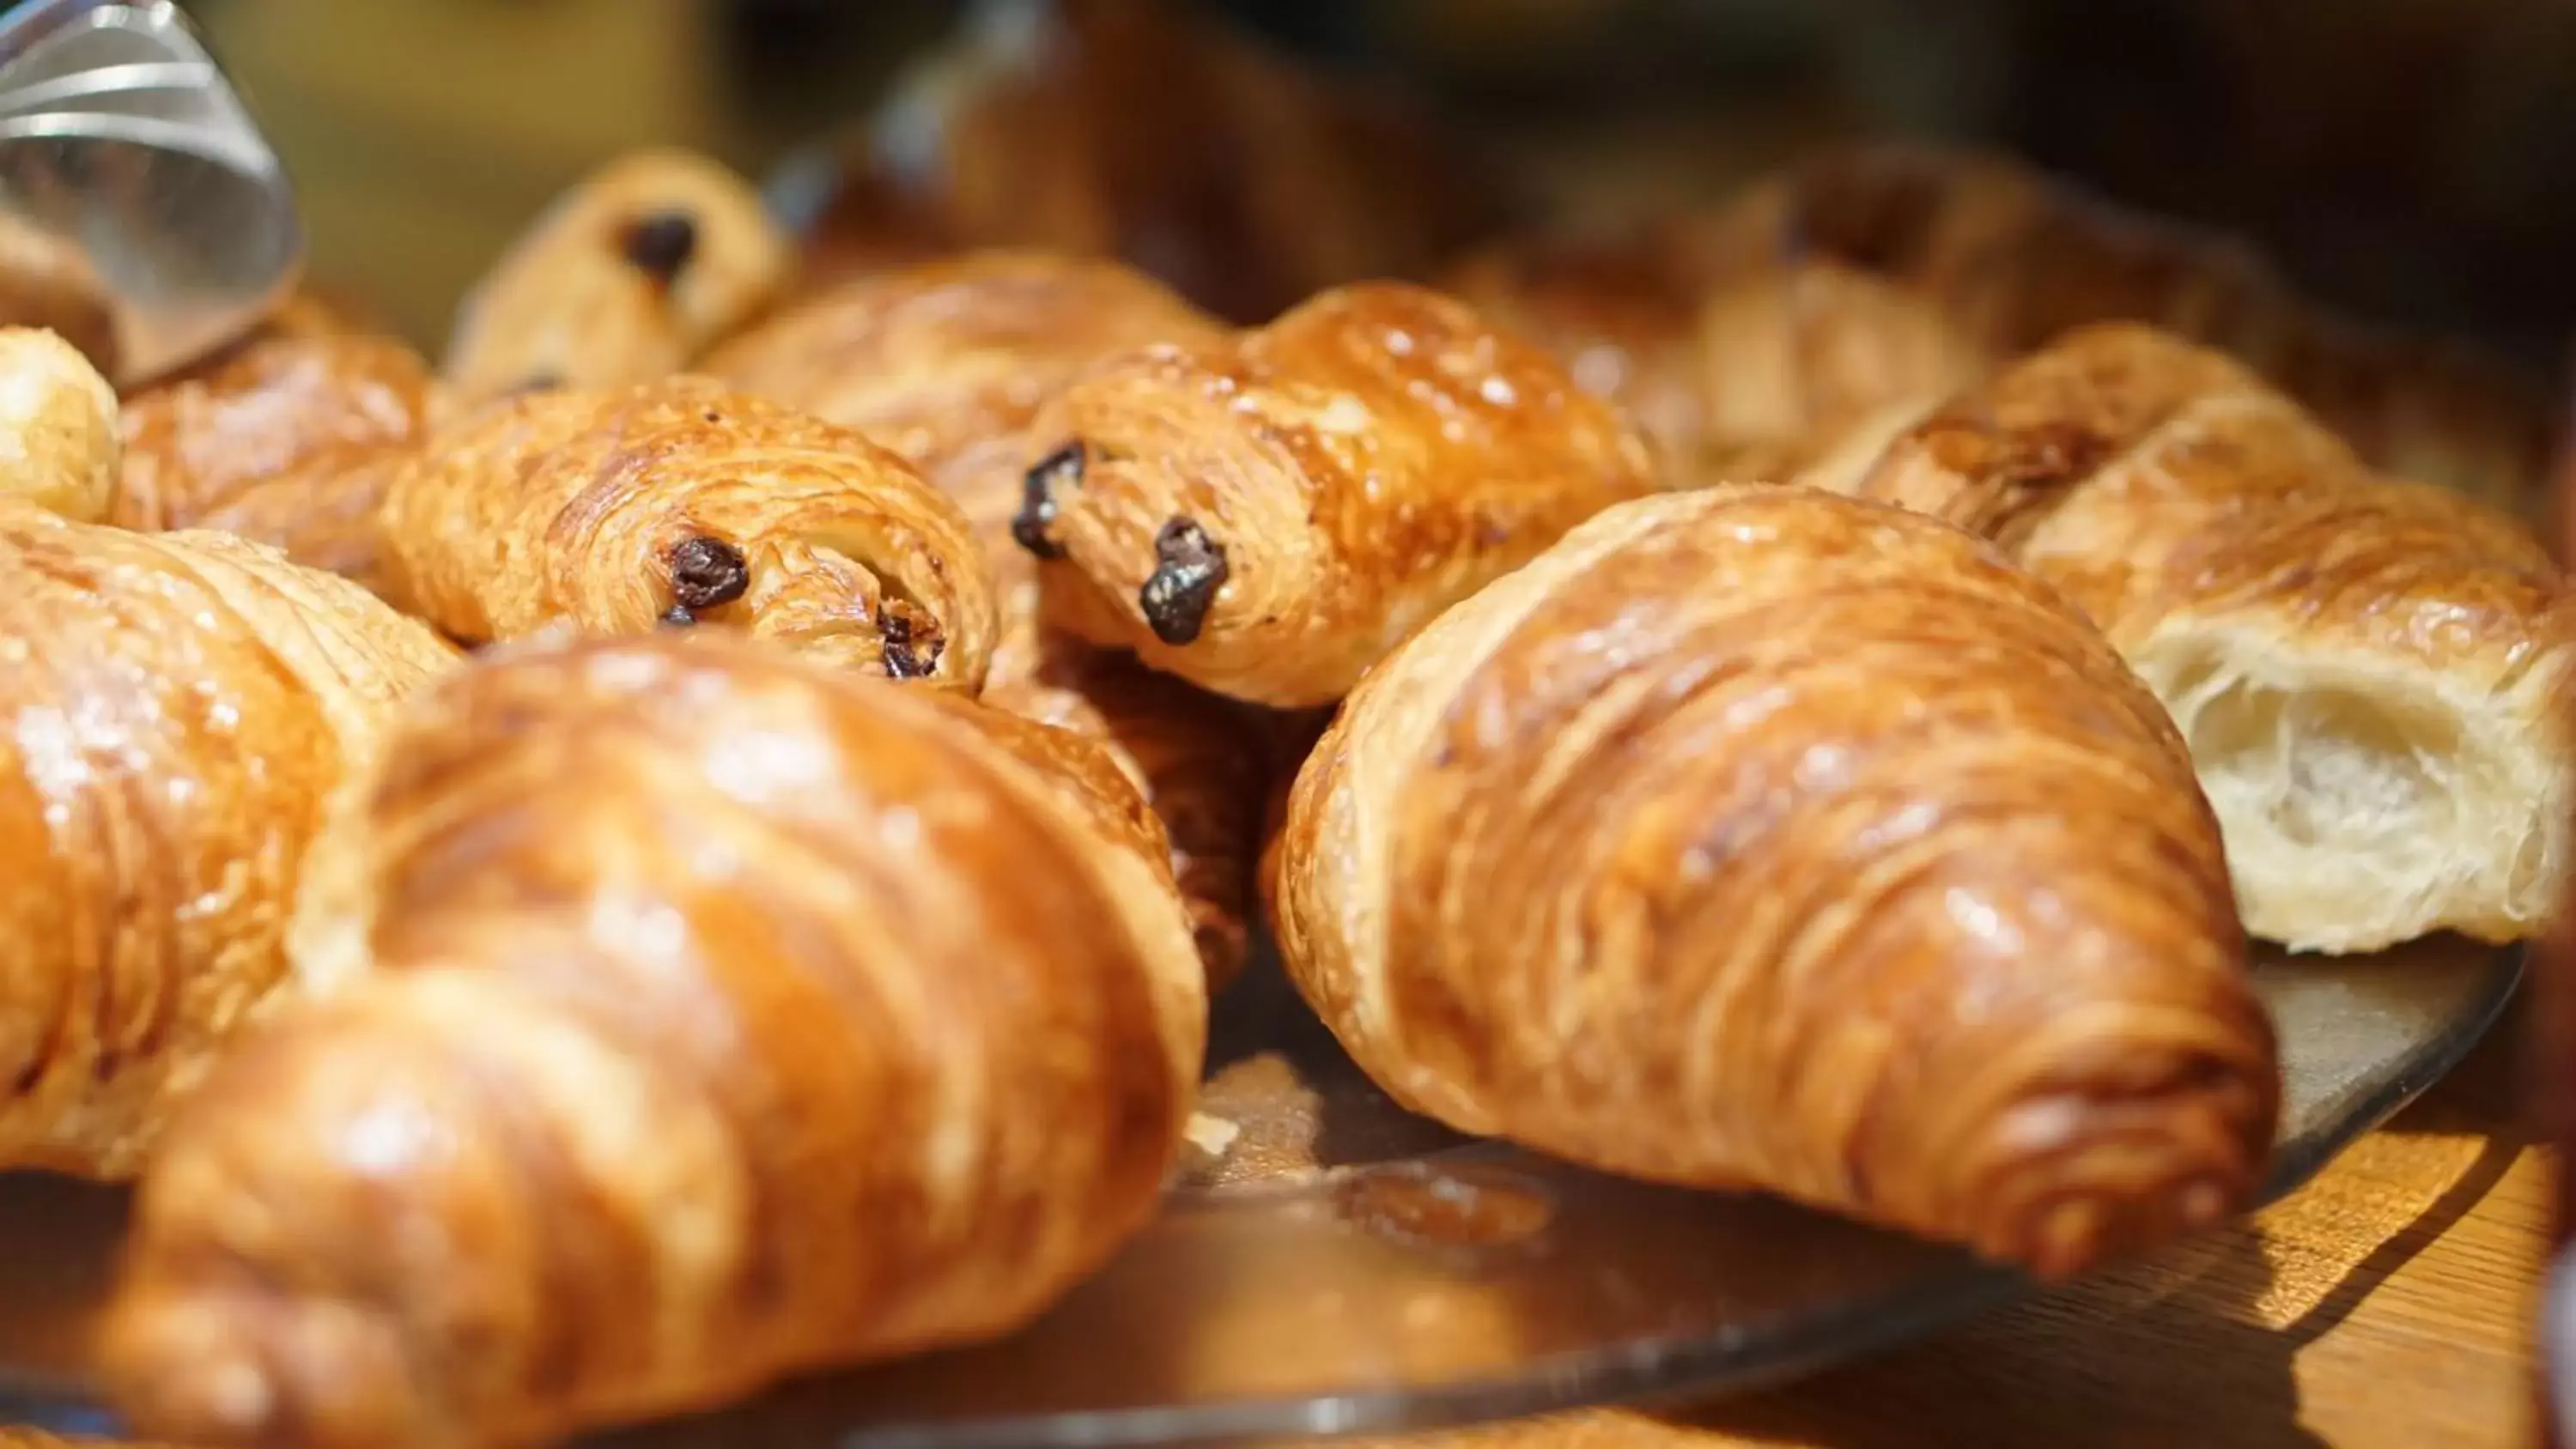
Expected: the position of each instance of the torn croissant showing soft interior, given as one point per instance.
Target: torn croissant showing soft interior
(2367, 669)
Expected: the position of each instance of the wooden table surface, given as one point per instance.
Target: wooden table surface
(2385, 1306)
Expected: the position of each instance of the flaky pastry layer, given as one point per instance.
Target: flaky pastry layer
(1757, 837)
(728, 1015)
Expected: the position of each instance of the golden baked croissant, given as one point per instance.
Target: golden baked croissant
(680, 502)
(1267, 516)
(1887, 275)
(628, 277)
(175, 711)
(1759, 837)
(729, 1015)
(2365, 668)
(945, 363)
(290, 440)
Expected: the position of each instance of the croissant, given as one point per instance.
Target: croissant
(2364, 668)
(1758, 837)
(291, 440)
(176, 710)
(628, 277)
(678, 502)
(767, 1017)
(1268, 516)
(1888, 275)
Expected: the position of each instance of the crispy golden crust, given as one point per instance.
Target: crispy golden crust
(1268, 517)
(730, 1015)
(1898, 271)
(61, 418)
(174, 710)
(628, 277)
(2141, 475)
(679, 502)
(290, 440)
(2364, 665)
(934, 360)
(1760, 837)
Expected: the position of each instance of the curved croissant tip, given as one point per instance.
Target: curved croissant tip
(1189, 568)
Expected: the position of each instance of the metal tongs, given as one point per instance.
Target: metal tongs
(135, 190)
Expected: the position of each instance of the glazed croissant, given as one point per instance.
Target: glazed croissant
(1753, 337)
(628, 277)
(729, 1015)
(1266, 517)
(1758, 837)
(946, 363)
(678, 502)
(290, 440)
(176, 710)
(2365, 668)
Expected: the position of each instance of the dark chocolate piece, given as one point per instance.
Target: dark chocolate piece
(1189, 567)
(660, 243)
(706, 572)
(912, 649)
(1059, 469)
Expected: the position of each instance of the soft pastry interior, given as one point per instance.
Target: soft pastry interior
(2368, 670)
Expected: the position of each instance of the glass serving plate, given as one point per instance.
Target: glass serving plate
(1329, 1263)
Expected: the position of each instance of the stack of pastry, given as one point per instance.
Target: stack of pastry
(787, 940)
(1802, 321)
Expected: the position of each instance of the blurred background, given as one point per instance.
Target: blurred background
(2413, 160)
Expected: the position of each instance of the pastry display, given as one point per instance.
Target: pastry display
(681, 856)
(1671, 852)
(678, 503)
(724, 1014)
(2366, 669)
(1268, 516)
(627, 278)
(175, 712)
(1888, 275)
(290, 439)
